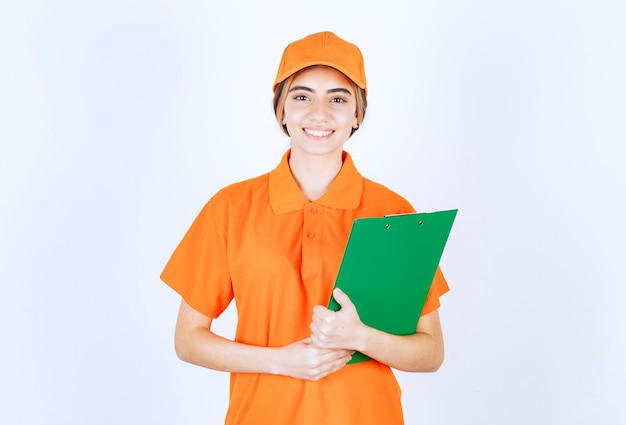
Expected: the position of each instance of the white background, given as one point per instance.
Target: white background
(119, 119)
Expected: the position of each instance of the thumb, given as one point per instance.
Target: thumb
(343, 299)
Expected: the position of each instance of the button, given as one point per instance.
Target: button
(311, 235)
(314, 210)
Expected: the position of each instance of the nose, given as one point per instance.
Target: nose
(319, 111)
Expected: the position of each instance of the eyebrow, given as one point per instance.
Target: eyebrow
(329, 91)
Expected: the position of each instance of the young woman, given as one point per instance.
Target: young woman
(274, 244)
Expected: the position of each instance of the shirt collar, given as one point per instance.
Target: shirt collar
(344, 192)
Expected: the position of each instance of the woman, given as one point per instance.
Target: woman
(274, 244)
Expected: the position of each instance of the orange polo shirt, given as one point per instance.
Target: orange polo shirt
(277, 254)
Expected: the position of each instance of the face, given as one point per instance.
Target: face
(320, 111)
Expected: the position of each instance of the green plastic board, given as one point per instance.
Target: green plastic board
(388, 266)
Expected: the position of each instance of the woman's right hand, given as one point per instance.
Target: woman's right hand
(197, 344)
(304, 360)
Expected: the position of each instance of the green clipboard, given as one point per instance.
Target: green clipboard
(388, 266)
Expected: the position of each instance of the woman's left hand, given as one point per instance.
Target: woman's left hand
(337, 329)
(421, 351)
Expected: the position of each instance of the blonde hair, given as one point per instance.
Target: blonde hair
(282, 90)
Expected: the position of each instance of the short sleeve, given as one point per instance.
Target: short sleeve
(198, 269)
(437, 289)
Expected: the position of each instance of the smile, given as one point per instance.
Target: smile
(317, 133)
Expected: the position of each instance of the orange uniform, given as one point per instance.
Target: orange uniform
(277, 254)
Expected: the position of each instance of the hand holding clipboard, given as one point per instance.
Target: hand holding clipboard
(388, 266)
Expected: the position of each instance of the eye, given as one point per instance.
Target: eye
(300, 97)
(338, 100)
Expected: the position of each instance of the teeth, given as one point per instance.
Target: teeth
(318, 133)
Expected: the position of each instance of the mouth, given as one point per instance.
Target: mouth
(317, 133)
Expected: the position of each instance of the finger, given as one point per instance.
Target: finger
(319, 310)
(315, 333)
(318, 326)
(322, 324)
(340, 362)
(339, 355)
(319, 340)
(342, 298)
(336, 362)
(322, 313)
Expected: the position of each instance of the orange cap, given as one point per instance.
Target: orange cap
(323, 48)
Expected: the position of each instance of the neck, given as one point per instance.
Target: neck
(314, 175)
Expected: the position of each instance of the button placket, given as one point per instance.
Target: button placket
(312, 242)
